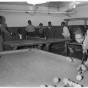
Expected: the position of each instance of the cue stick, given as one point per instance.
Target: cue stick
(84, 58)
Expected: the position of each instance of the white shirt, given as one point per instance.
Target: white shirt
(85, 43)
(65, 32)
(20, 36)
(30, 28)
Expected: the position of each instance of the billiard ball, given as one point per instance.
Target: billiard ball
(70, 83)
(65, 81)
(43, 85)
(79, 77)
(51, 85)
(77, 85)
(56, 80)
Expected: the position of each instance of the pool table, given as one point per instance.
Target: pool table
(35, 41)
(33, 67)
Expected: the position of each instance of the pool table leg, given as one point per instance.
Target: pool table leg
(47, 47)
(66, 48)
(40, 46)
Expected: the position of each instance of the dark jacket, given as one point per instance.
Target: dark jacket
(41, 32)
(50, 32)
(18, 37)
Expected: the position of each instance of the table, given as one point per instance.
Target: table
(35, 41)
(33, 67)
(73, 45)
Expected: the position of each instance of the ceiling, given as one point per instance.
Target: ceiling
(48, 7)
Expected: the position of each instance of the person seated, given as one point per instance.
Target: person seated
(41, 31)
(81, 36)
(20, 35)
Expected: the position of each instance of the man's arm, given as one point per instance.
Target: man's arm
(8, 31)
(5, 29)
(84, 56)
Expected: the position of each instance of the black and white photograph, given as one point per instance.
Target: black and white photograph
(44, 43)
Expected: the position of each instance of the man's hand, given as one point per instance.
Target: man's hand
(11, 34)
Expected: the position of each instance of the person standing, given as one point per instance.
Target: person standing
(66, 35)
(50, 31)
(66, 32)
(3, 30)
(30, 29)
(41, 31)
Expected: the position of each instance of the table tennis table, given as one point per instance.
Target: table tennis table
(35, 41)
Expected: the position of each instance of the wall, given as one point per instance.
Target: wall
(21, 19)
(79, 12)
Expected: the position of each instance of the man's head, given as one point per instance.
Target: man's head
(79, 34)
(40, 25)
(1, 19)
(29, 22)
(20, 31)
(49, 23)
(63, 24)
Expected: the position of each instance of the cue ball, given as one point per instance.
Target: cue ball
(79, 77)
(56, 80)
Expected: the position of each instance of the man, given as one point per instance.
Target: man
(30, 29)
(50, 31)
(41, 30)
(3, 30)
(66, 32)
(66, 35)
(20, 35)
(81, 36)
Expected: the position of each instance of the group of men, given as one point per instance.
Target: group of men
(48, 32)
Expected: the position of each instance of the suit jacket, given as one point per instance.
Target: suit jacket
(50, 32)
(18, 36)
(41, 32)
